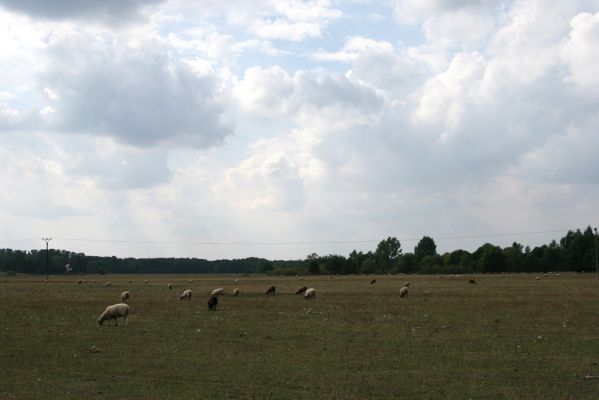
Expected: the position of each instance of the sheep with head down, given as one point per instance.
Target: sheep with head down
(310, 294)
(236, 292)
(186, 295)
(301, 290)
(212, 302)
(218, 292)
(403, 292)
(120, 310)
(125, 296)
(271, 290)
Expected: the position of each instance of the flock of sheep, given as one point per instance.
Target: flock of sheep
(121, 310)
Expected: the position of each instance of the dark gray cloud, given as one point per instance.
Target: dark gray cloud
(106, 11)
(136, 93)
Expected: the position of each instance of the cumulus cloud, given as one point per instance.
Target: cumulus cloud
(581, 51)
(305, 96)
(132, 91)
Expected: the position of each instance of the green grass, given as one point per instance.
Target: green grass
(508, 337)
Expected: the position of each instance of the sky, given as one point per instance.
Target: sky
(279, 128)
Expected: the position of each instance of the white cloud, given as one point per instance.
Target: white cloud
(581, 51)
(132, 91)
(353, 48)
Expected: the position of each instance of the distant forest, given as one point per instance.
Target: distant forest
(576, 251)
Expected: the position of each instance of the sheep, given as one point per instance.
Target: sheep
(147, 282)
(236, 281)
(125, 296)
(235, 292)
(310, 294)
(113, 312)
(372, 282)
(403, 292)
(170, 286)
(79, 282)
(407, 284)
(271, 290)
(108, 284)
(186, 295)
(217, 292)
(190, 281)
(212, 302)
(472, 282)
(301, 290)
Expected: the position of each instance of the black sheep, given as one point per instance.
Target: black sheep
(212, 302)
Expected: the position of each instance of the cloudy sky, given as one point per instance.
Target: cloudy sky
(278, 128)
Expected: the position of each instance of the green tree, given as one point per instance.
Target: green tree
(313, 264)
(491, 259)
(368, 265)
(387, 252)
(425, 247)
(407, 263)
(266, 267)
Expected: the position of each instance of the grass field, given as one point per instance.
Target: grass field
(507, 337)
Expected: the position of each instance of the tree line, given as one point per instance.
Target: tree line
(576, 251)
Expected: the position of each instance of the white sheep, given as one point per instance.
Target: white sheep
(407, 284)
(108, 284)
(236, 281)
(186, 294)
(310, 294)
(236, 292)
(403, 292)
(217, 292)
(113, 312)
(170, 286)
(125, 296)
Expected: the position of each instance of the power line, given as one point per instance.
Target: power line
(286, 243)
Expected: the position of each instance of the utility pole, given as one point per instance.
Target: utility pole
(47, 240)
(596, 254)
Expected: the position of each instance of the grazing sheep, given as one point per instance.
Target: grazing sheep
(170, 286)
(236, 281)
(212, 302)
(403, 292)
(125, 296)
(218, 292)
(301, 290)
(301, 278)
(147, 282)
(472, 282)
(113, 312)
(191, 281)
(271, 290)
(407, 284)
(372, 282)
(310, 294)
(108, 284)
(186, 295)
(236, 292)
(79, 282)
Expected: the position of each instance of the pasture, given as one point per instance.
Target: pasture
(505, 337)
